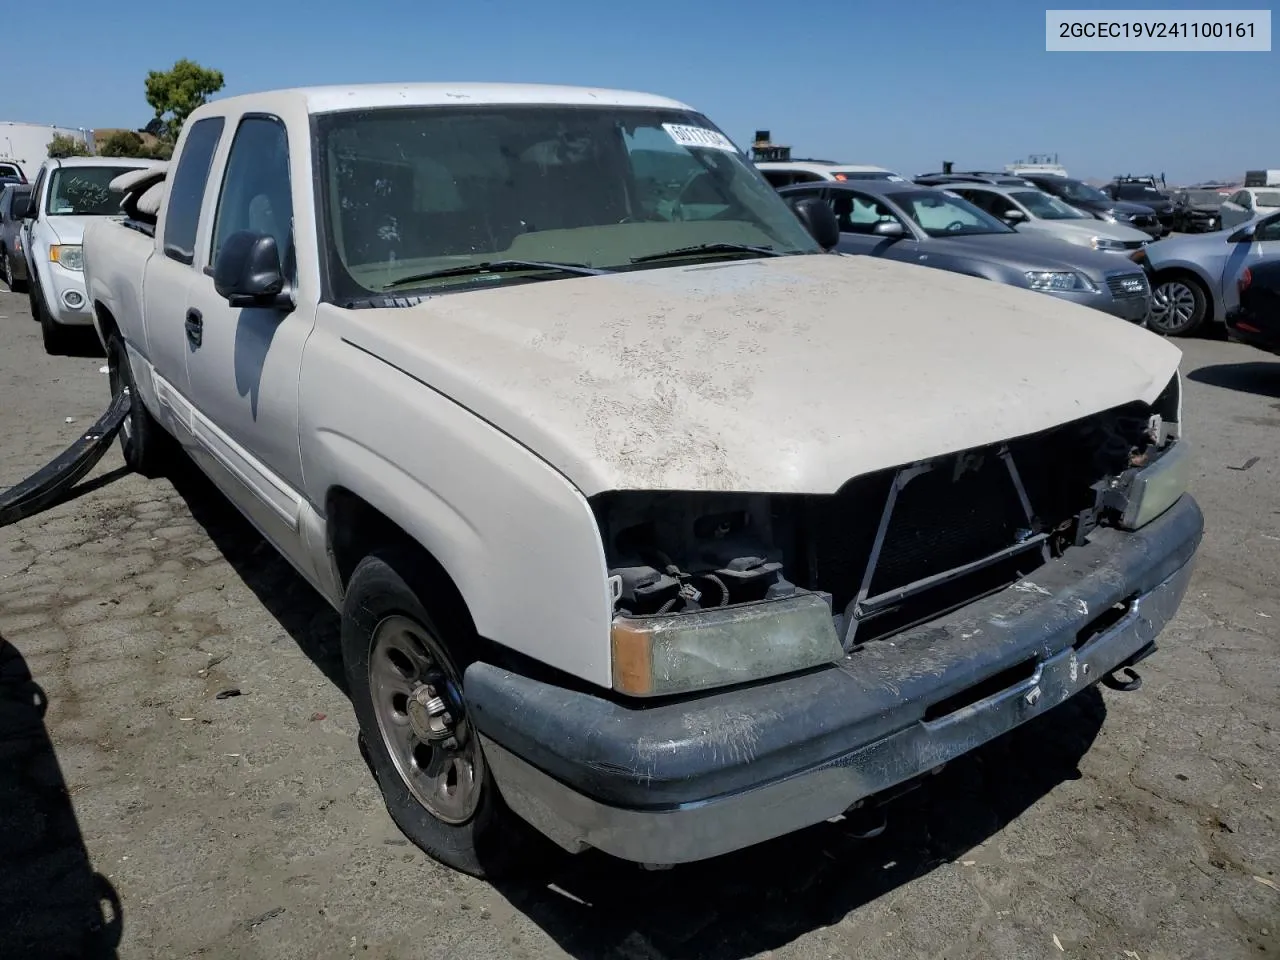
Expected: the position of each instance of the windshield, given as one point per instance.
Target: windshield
(1046, 207)
(1138, 191)
(1204, 197)
(1267, 199)
(944, 215)
(418, 190)
(1079, 192)
(82, 191)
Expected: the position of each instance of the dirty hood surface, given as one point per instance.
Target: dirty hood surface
(791, 374)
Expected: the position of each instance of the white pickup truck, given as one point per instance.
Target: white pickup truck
(651, 523)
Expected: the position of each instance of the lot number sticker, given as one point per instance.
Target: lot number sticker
(688, 136)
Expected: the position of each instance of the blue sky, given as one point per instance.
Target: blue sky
(899, 83)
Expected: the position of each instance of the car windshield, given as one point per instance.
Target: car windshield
(1138, 191)
(1268, 198)
(82, 191)
(944, 215)
(1046, 207)
(1076, 191)
(415, 191)
(1204, 197)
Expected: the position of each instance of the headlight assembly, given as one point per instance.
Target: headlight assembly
(1153, 489)
(719, 646)
(1059, 281)
(1106, 243)
(68, 256)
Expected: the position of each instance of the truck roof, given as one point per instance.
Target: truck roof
(363, 96)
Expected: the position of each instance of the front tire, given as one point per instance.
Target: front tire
(404, 670)
(147, 449)
(1178, 306)
(57, 338)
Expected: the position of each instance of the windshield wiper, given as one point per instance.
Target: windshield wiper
(706, 248)
(498, 266)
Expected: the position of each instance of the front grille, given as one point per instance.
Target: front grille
(1128, 286)
(959, 526)
(1142, 221)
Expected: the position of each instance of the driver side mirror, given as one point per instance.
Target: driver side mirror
(247, 272)
(1013, 215)
(24, 206)
(1243, 235)
(889, 229)
(819, 220)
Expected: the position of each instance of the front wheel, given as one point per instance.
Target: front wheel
(1178, 306)
(143, 442)
(404, 671)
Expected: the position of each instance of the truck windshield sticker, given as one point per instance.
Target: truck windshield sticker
(695, 137)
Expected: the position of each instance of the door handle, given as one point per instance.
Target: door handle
(195, 327)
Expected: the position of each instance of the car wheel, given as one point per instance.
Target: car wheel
(1178, 306)
(57, 338)
(404, 671)
(8, 272)
(147, 449)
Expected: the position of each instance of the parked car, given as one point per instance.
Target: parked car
(1032, 211)
(1092, 200)
(972, 176)
(782, 174)
(933, 228)
(10, 169)
(65, 196)
(13, 258)
(632, 578)
(1197, 209)
(1146, 191)
(1246, 204)
(1193, 279)
(1256, 317)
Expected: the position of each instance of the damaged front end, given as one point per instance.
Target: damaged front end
(714, 589)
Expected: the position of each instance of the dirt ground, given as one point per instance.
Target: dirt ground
(143, 817)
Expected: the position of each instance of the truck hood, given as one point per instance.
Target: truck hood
(790, 374)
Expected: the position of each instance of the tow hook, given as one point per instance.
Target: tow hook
(1125, 679)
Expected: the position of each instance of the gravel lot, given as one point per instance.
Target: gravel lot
(141, 814)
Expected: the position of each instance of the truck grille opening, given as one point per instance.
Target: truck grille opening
(891, 549)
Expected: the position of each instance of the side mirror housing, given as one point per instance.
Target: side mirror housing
(24, 206)
(889, 229)
(819, 220)
(247, 272)
(1014, 215)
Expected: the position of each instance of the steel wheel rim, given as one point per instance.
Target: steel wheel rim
(408, 671)
(1173, 304)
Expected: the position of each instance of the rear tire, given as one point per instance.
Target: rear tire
(147, 449)
(393, 649)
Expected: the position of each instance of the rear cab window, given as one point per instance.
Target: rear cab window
(187, 189)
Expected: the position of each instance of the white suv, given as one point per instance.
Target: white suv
(784, 174)
(65, 195)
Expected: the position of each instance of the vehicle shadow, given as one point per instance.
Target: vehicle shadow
(53, 905)
(312, 623)
(1260, 377)
(763, 898)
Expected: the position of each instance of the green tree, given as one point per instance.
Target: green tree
(123, 143)
(62, 146)
(174, 94)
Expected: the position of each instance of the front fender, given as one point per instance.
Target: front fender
(518, 540)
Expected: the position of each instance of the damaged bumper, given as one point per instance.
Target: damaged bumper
(692, 779)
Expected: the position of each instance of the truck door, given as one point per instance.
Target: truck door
(169, 275)
(243, 363)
